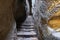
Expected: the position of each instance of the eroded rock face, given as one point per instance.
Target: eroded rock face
(20, 13)
(6, 17)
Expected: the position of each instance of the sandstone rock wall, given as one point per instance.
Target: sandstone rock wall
(44, 9)
(19, 9)
(6, 17)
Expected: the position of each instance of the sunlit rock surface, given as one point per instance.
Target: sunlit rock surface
(55, 23)
(44, 10)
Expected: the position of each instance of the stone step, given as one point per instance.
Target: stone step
(27, 27)
(29, 21)
(27, 30)
(31, 38)
(29, 18)
(26, 33)
(28, 24)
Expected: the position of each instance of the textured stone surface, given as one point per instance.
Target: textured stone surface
(26, 32)
(6, 17)
(44, 9)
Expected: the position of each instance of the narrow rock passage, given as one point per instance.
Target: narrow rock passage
(27, 31)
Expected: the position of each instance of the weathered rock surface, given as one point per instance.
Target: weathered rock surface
(6, 18)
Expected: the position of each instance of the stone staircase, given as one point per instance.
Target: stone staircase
(27, 31)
